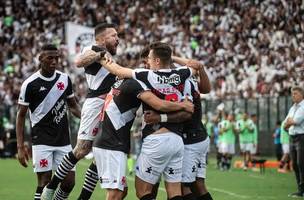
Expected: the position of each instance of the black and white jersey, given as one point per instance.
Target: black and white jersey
(46, 99)
(119, 113)
(99, 79)
(194, 130)
(167, 84)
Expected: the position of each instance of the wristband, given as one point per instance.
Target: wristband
(163, 118)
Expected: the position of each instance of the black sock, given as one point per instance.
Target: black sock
(148, 197)
(61, 195)
(229, 162)
(206, 196)
(90, 181)
(177, 198)
(38, 193)
(189, 196)
(68, 162)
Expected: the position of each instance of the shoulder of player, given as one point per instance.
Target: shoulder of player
(30, 79)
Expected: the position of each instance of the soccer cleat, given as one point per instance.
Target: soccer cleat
(296, 195)
(47, 194)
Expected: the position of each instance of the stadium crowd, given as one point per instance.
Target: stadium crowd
(250, 48)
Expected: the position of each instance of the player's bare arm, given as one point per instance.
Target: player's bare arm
(87, 58)
(23, 155)
(165, 106)
(152, 117)
(204, 83)
(74, 107)
(194, 65)
(114, 68)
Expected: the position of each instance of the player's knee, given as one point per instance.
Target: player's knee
(115, 194)
(125, 193)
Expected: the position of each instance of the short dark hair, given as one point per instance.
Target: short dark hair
(162, 51)
(102, 27)
(49, 47)
(145, 52)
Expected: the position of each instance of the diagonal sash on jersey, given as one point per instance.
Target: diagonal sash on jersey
(49, 101)
(117, 118)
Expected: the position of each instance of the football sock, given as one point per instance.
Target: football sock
(38, 193)
(68, 162)
(206, 196)
(90, 181)
(61, 195)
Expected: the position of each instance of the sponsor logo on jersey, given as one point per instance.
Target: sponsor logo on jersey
(172, 79)
(42, 88)
(59, 114)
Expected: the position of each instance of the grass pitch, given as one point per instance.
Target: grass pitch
(17, 182)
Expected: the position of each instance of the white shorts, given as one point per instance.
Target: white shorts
(285, 148)
(246, 147)
(161, 154)
(254, 149)
(111, 167)
(90, 118)
(194, 162)
(227, 148)
(47, 158)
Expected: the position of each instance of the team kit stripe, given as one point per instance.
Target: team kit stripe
(117, 118)
(49, 101)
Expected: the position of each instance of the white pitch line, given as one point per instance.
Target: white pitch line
(258, 177)
(229, 193)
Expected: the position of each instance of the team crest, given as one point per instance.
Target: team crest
(60, 86)
(43, 163)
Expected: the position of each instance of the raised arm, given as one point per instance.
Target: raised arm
(115, 68)
(88, 57)
(194, 65)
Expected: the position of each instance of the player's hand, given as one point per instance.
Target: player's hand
(107, 58)
(188, 105)
(23, 156)
(194, 64)
(151, 117)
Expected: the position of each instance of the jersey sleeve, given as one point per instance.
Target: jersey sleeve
(140, 75)
(184, 72)
(24, 96)
(137, 87)
(188, 90)
(70, 93)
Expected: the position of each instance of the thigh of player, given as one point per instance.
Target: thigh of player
(90, 118)
(59, 153)
(43, 157)
(111, 167)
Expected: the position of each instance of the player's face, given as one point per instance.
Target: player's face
(296, 96)
(111, 40)
(49, 61)
(153, 62)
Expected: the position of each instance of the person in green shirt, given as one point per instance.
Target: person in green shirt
(228, 141)
(285, 160)
(245, 129)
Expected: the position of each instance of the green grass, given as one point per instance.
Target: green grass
(17, 182)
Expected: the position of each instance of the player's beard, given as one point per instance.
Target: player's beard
(111, 48)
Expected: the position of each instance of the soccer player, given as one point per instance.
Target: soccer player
(112, 146)
(99, 82)
(228, 141)
(162, 138)
(245, 138)
(45, 94)
(196, 141)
